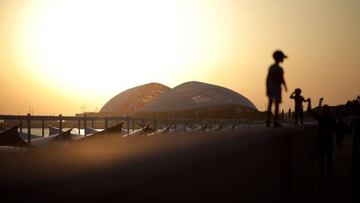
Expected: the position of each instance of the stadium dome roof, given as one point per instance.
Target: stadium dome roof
(191, 95)
(134, 98)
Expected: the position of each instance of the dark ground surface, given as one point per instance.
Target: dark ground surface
(248, 165)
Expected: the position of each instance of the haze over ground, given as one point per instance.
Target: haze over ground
(59, 56)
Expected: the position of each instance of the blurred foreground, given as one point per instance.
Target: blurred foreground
(252, 165)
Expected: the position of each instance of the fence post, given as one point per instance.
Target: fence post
(92, 123)
(128, 124)
(133, 124)
(20, 123)
(106, 123)
(42, 128)
(79, 126)
(84, 125)
(60, 126)
(29, 128)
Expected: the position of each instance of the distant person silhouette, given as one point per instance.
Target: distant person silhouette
(289, 113)
(324, 141)
(355, 161)
(340, 132)
(299, 99)
(274, 80)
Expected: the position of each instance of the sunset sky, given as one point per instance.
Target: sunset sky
(57, 56)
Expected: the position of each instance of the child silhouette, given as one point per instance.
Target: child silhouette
(274, 81)
(299, 99)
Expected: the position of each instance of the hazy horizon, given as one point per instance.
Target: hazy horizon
(60, 56)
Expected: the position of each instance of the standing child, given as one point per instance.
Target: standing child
(299, 99)
(274, 80)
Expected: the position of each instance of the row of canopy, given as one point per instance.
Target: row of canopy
(13, 138)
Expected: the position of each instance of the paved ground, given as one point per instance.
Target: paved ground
(248, 165)
(338, 188)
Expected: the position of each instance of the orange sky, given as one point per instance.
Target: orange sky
(59, 55)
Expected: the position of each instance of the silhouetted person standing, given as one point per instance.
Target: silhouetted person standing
(324, 143)
(355, 161)
(289, 113)
(299, 99)
(340, 132)
(274, 80)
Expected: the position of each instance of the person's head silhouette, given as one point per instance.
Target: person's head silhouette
(297, 91)
(279, 56)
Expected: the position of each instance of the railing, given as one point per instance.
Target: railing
(82, 121)
(60, 120)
